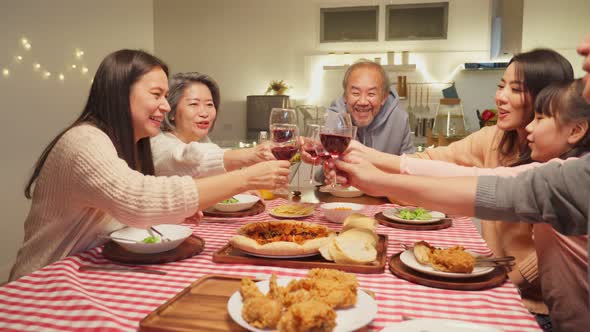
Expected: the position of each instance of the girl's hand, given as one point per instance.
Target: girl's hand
(307, 144)
(361, 174)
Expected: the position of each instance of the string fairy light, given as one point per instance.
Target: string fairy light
(45, 73)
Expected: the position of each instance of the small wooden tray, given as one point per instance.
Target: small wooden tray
(257, 208)
(490, 280)
(441, 224)
(192, 246)
(229, 254)
(202, 306)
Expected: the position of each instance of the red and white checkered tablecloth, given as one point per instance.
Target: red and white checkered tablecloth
(60, 298)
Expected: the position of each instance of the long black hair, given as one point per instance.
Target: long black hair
(535, 69)
(108, 109)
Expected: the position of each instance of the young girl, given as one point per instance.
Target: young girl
(559, 130)
(504, 144)
(100, 168)
(184, 148)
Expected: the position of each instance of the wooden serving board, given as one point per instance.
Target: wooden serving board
(441, 224)
(257, 208)
(202, 306)
(490, 280)
(229, 254)
(192, 246)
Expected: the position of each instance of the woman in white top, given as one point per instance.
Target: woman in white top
(183, 147)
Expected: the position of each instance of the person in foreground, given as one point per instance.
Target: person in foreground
(100, 168)
(183, 147)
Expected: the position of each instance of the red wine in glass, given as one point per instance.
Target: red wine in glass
(284, 152)
(335, 144)
(312, 153)
(282, 135)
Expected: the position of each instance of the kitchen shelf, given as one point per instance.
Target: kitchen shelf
(410, 67)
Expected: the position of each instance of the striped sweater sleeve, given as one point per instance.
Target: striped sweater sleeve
(105, 181)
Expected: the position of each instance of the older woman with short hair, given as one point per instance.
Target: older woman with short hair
(183, 147)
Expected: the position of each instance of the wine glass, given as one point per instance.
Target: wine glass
(336, 134)
(313, 145)
(283, 136)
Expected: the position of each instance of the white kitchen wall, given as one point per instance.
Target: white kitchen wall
(560, 25)
(34, 109)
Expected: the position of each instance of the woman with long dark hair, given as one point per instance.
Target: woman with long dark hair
(97, 174)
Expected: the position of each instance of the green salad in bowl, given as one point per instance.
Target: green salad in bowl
(230, 200)
(151, 239)
(414, 214)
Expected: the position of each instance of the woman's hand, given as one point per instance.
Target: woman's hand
(361, 174)
(308, 144)
(267, 175)
(262, 153)
(195, 219)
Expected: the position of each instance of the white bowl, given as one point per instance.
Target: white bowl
(333, 214)
(245, 201)
(176, 233)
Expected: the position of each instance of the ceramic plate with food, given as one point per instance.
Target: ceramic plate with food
(292, 211)
(413, 215)
(407, 257)
(351, 318)
(281, 238)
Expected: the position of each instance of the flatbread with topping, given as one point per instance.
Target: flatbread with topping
(287, 237)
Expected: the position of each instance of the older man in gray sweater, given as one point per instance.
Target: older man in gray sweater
(375, 108)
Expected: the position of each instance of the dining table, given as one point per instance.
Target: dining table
(60, 297)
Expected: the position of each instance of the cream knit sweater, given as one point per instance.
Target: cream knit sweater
(197, 159)
(82, 188)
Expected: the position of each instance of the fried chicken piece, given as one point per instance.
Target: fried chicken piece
(248, 289)
(454, 259)
(311, 315)
(334, 275)
(274, 291)
(339, 290)
(422, 251)
(262, 312)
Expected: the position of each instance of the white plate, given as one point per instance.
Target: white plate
(437, 325)
(309, 254)
(350, 319)
(340, 191)
(293, 216)
(245, 201)
(393, 214)
(407, 257)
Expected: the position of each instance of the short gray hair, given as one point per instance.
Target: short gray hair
(367, 64)
(178, 84)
